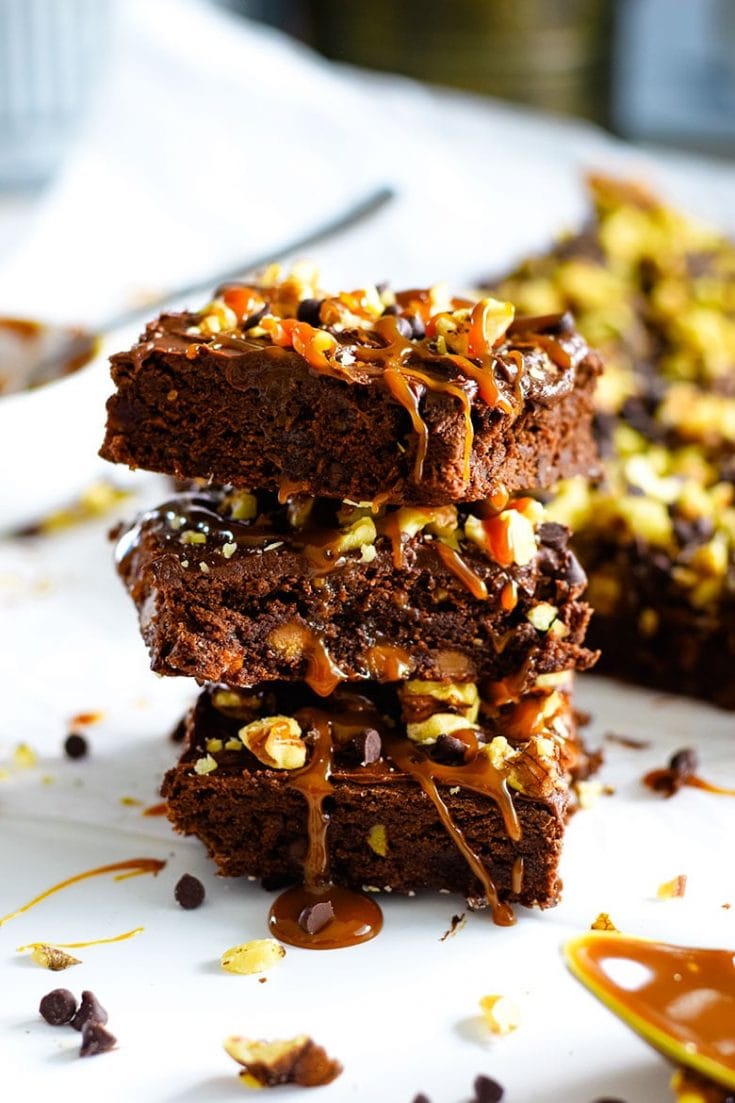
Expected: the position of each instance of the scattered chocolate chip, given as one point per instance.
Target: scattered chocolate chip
(382, 286)
(572, 572)
(90, 1011)
(95, 1039)
(684, 763)
(189, 892)
(58, 1007)
(315, 917)
(309, 311)
(368, 745)
(487, 1090)
(75, 745)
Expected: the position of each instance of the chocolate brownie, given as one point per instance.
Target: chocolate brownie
(235, 587)
(655, 291)
(423, 787)
(410, 398)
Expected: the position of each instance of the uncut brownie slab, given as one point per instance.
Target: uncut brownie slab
(395, 755)
(235, 587)
(655, 292)
(412, 398)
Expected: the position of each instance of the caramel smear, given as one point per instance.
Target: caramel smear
(31, 946)
(681, 1000)
(132, 867)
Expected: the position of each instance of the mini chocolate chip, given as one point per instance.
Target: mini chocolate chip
(58, 1007)
(368, 745)
(404, 327)
(684, 762)
(421, 1098)
(573, 573)
(487, 1090)
(189, 892)
(255, 318)
(309, 311)
(391, 310)
(553, 535)
(315, 917)
(90, 1011)
(382, 286)
(95, 1039)
(418, 329)
(75, 745)
(449, 750)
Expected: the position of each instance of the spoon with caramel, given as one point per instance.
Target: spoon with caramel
(679, 999)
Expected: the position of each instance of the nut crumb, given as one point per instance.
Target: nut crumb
(24, 757)
(252, 957)
(205, 765)
(51, 957)
(674, 889)
(501, 1014)
(293, 1061)
(603, 923)
(588, 793)
(377, 839)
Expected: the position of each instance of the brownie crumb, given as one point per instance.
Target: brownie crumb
(315, 917)
(456, 923)
(58, 1007)
(90, 1011)
(96, 1039)
(76, 746)
(189, 892)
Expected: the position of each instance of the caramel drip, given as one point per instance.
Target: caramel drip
(287, 488)
(655, 779)
(388, 663)
(391, 528)
(81, 945)
(509, 596)
(356, 918)
(134, 867)
(454, 562)
(155, 809)
(322, 673)
(517, 875)
(480, 776)
(403, 392)
(683, 1005)
(509, 690)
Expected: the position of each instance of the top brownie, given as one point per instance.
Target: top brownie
(412, 397)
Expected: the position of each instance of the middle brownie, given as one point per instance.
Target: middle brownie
(239, 588)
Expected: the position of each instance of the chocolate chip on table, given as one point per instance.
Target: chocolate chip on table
(75, 745)
(58, 1007)
(421, 1098)
(309, 311)
(315, 917)
(90, 1011)
(368, 745)
(189, 892)
(684, 763)
(95, 1039)
(487, 1090)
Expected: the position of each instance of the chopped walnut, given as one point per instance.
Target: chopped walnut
(294, 1061)
(501, 1014)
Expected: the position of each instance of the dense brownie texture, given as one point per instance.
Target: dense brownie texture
(253, 824)
(510, 408)
(288, 603)
(655, 292)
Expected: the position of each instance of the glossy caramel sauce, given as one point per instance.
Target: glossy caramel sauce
(155, 809)
(357, 918)
(656, 780)
(454, 562)
(132, 867)
(388, 663)
(683, 1004)
(517, 876)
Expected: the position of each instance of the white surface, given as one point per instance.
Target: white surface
(400, 1012)
(212, 141)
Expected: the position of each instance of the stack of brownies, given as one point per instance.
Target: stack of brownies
(363, 580)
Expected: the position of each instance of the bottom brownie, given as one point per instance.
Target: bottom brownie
(477, 808)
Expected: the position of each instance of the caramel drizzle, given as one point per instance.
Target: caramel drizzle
(314, 784)
(478, 776)
(517, 875)
(454, 562)
(81, 945)
(654, 778)
(388, 663)
(322, 673)
(133, 867)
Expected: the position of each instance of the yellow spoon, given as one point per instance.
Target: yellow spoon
(679, 999)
